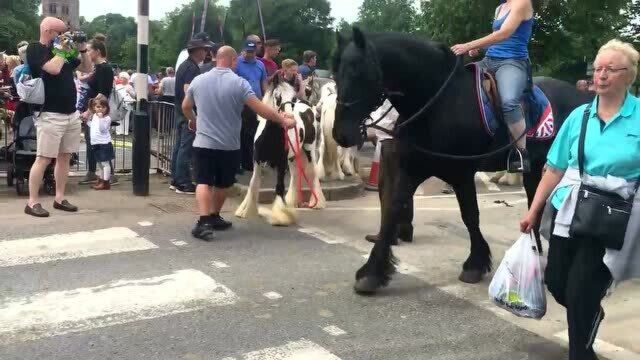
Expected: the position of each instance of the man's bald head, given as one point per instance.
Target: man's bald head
(51, 27)
(225, 57)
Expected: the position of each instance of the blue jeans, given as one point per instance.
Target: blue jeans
(182, 153)
(512, 78)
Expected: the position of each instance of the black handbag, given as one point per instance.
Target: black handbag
(600, 215)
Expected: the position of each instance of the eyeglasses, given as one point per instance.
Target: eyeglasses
(608, 70)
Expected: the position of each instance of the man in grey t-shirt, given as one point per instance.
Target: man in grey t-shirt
(220, 96)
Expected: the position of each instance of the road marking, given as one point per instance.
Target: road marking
(377, 208)
(178, 242)
(334, 330)
(118, 302)
(145, 223)
(487, 181)
(302, 349)
(272, 295)
(71, 246)
(604, 348)
(219, 264)
(323, 235)
(521, 192)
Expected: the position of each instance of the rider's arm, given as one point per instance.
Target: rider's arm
(519, 12)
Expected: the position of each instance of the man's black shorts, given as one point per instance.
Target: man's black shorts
(216, 167)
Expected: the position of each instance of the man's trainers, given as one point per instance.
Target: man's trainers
(188, 189)
(519, 161)
(113, 180)
(36, 210)
(219, 223)
(203, 231)
(172, 185)
(89, 178)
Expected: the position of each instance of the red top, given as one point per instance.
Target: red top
(270, 65)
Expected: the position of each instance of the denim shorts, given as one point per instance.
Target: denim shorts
(512, 78)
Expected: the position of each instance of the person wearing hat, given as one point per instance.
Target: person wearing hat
(198, 47)
(252, 70)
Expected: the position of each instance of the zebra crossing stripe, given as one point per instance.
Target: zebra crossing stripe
(302, 349)
(118, 302)
(71, 246)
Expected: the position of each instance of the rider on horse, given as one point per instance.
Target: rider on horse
(508, 57)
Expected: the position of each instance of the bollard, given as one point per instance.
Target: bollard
(141, 150)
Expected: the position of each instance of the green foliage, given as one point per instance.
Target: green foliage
(19, 21)
(299, 24)
(388, 15)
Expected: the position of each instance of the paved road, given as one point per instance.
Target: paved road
(124, 280)
(103, 286)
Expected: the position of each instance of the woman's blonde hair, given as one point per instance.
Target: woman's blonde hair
(288, 63)
(12, 61)
(628, 51)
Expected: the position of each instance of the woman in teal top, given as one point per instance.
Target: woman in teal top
(576, 274)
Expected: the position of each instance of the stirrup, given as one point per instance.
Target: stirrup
(521, 166)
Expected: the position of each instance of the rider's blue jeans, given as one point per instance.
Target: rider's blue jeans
(511, 76)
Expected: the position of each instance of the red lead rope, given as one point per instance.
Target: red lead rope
(301, 173)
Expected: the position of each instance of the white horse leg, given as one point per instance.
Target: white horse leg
(321, 202)
(320, 169)
(291, 199)
(249, 206)
(283, 213)
(338, 164)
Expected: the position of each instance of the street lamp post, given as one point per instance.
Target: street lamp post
(141, 124)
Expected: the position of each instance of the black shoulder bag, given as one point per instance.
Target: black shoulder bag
(600, 215)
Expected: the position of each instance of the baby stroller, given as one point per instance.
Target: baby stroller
(21, 153)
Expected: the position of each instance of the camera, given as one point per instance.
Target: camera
(69, 39)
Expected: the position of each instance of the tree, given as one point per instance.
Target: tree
(298, 24)
(567, 33)
(19, 21)
(388, 15)
(118, 30)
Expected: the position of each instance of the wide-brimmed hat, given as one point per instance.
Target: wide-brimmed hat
(199, 41)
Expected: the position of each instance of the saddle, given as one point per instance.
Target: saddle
(537, 107)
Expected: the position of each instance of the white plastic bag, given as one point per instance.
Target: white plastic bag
(518, 284)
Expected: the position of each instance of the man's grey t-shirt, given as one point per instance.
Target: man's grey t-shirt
(219, 95)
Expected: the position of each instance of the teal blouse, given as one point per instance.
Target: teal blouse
(611, 148)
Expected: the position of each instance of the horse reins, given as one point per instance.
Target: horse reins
(401, 126)
(298, 156)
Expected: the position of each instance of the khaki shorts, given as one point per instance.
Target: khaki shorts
(58, 134)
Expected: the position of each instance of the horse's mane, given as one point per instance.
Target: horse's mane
(273, 83)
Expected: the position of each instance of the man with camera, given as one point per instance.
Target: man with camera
(54, 60)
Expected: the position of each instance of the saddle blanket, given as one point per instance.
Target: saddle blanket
(536, 105)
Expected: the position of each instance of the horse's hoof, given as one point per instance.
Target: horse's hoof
(470, 276)
(366, 286)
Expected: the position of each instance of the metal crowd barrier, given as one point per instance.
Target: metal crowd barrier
(163, 134)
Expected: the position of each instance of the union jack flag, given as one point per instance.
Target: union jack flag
(545, 129)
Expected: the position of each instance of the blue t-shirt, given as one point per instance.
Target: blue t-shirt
(609, 149)
(305, 70)
(219, 95)
(19, 71)
(254, 72)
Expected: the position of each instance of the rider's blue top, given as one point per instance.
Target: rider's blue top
(516, 45)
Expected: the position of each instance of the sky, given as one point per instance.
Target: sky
(347, 9)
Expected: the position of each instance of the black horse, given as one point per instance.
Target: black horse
(414, 73)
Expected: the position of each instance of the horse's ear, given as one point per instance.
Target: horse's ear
(358, 38)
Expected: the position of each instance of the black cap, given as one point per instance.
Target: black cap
(200, 40)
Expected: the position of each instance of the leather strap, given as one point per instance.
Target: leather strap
(583, 135)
